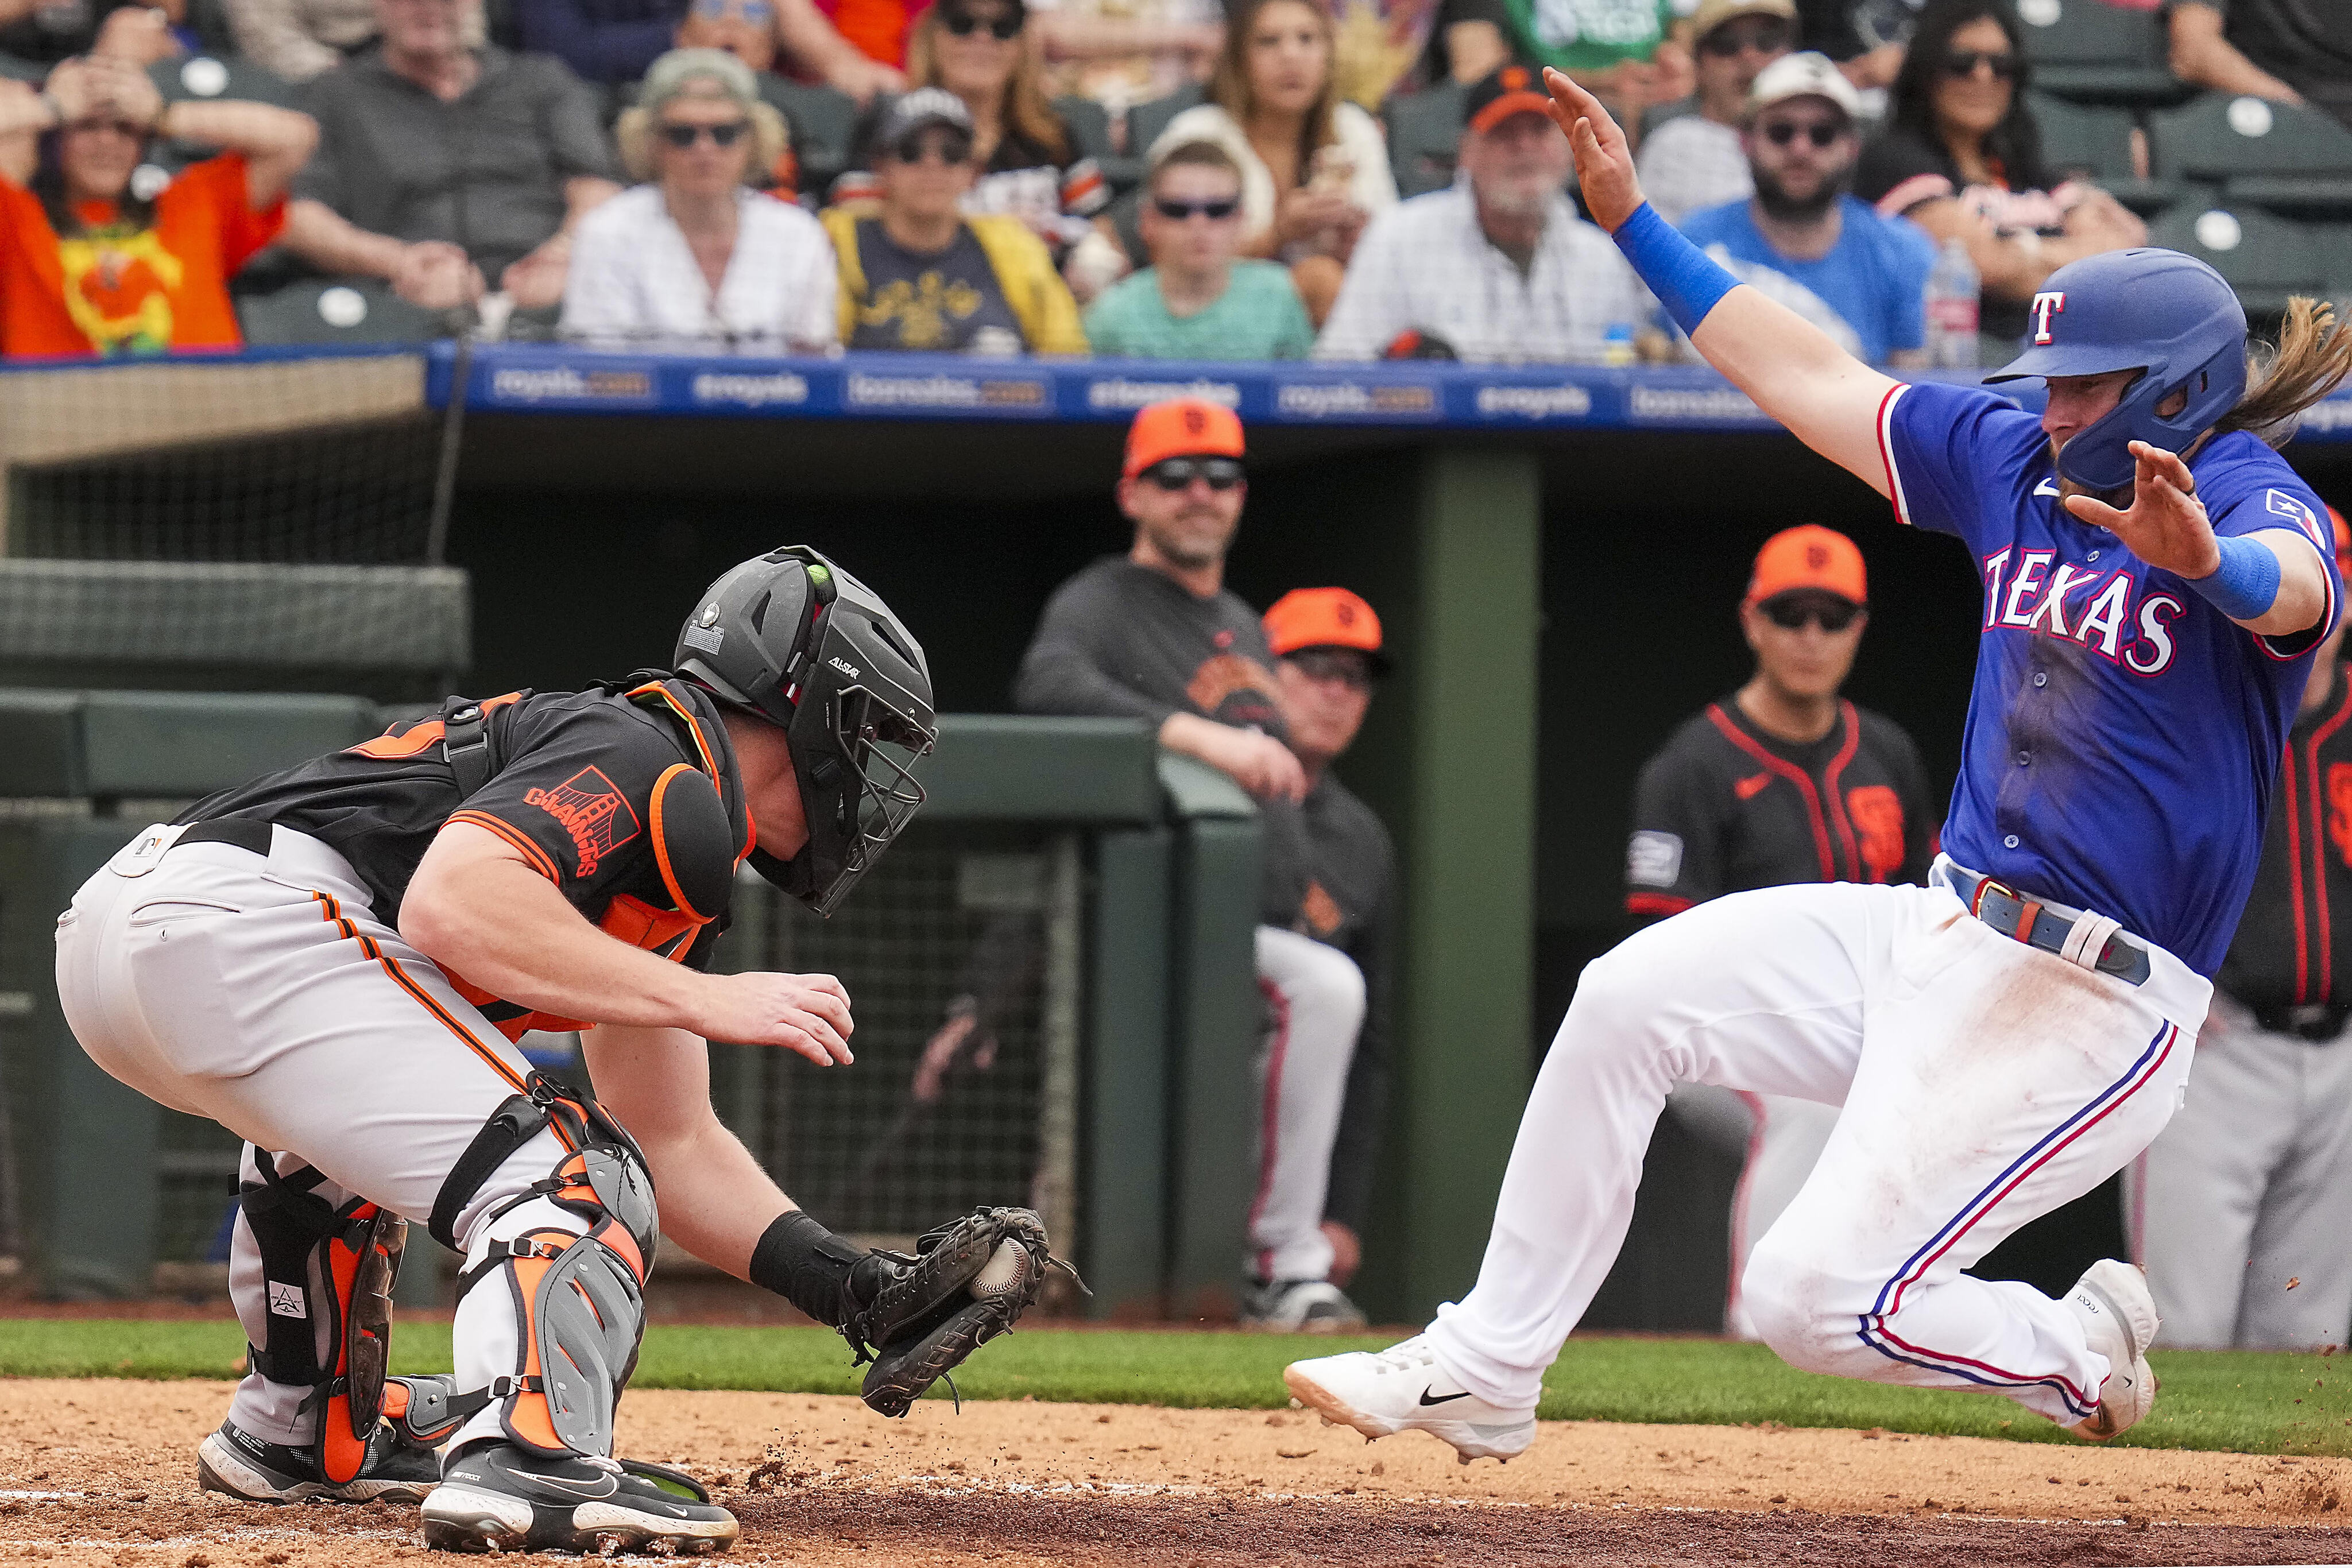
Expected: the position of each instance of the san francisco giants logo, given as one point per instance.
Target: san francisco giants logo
(2046, 305)
(592, 811)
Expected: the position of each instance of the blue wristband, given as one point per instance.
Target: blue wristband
(1687, 280)
(2246, 584)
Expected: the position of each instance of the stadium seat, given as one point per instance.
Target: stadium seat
(206, 77)
(2098, 53)
(1424, 134)
(2095, 143)
(1146, 120)
(2265, 257)
(823, 124)
(337, 310)
(2284, 156)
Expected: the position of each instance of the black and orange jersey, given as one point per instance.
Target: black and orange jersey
(1724, 807)
(625, 797)
(2294, 946)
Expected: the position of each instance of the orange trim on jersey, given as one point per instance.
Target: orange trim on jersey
(1794, 774)
(710, 760)
(661, 841)
(1836, 798)
(1656, 904)
(531, 852)
(423, 737)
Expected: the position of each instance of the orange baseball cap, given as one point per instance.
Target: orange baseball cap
(1182, 427)
(1507, 89)
(1324, 618)
(1809, 556)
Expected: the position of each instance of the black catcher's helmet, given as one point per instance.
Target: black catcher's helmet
(795, 639)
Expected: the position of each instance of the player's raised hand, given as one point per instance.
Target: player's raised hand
(807, 1014)
(1604, 164)
(2167, 526)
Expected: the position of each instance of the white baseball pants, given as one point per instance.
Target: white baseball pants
(2239, 1209)
(1315, 994)
(1983, 1083)
(264, 993)
(1787, 1144)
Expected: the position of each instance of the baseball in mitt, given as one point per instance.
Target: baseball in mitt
(967, 1281)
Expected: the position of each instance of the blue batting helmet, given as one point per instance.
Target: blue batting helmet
(2147, 309)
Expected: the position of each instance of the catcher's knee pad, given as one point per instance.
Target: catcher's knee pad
(579, 1300)
(329, 1273)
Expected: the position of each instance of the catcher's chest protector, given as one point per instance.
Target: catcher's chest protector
(330, 1274)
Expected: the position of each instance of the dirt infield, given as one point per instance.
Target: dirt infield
(102, 1473)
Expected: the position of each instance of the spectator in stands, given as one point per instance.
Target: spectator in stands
(1694, 160)
(407, 186)
(1961, 158)
(1498, 267)
(695, 253)
(1315, 168)
(1624, 51)
(608, 41)
(916, 273)
(300, 39)
(90, 265)
(41, 33)
(1867, 37)
(1123, 52)
(985, 53)
(1155, 636)
(1801, 143)
(1327, 649)
(2291, 51)
(856, 47)
(1200, 298)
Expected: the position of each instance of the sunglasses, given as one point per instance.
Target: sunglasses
(1346, 666)
(1726, 42)
(1790, 613)
(1962, 63)
(1782, 132)
(1177, 212)
(759, 11)
(723, 135)
(950, 149)
(1003, 29)
(1173, 474)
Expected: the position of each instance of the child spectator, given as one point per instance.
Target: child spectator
(90, 265)
(1198, 299)
(916, 273)
(1315, 168)
(695, 253)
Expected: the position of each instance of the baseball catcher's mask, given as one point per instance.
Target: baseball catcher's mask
(801, 642)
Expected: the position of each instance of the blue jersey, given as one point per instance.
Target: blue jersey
(2124, 735)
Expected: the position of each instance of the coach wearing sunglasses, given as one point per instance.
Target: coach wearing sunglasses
(694, 254)
(1961, 157)
(1866, 270)
(1782, 781)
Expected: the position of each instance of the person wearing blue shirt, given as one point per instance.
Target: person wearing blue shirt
(1802, 146)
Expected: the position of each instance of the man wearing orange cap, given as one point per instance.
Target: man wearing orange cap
(1326, 645)
(2237, 1209)
(1154, 634)
(1782, 782)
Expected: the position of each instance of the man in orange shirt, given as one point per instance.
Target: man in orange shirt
(92, 265)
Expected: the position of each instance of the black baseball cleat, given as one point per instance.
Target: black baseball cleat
(245, 1465)
(494, 1497)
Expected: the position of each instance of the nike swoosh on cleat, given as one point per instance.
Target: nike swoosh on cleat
(1444, 1398)
(606, 1485)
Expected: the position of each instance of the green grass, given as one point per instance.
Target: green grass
(2240, 1401)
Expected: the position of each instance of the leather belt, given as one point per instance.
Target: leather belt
(2092, 941)
(244, 832)
(2320, 1023)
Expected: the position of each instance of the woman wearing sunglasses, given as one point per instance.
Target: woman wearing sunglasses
(692, 253)
(1961, 158)
(1315, 168)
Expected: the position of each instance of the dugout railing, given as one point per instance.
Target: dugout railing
(1097, 895)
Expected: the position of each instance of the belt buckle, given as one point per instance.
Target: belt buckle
(1991, 885)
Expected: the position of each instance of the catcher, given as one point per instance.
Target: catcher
(333, 961)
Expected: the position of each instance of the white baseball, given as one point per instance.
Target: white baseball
(1002, 1275)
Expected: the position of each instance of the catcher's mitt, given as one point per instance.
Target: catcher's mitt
(966, 1282)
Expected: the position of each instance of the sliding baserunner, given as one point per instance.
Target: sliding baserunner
(2155, 580)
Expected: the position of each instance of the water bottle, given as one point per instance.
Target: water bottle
(1617, 344)
(1951, 302)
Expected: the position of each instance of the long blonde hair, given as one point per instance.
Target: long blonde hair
(1027, 111)
(1230, 88)
(2312, 355)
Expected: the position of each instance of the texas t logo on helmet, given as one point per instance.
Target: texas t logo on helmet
(2046, 304)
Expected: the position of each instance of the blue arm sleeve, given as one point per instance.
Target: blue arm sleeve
(1687, 280)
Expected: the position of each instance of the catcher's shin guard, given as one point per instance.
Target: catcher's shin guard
(329, 1275)
(579, 1299)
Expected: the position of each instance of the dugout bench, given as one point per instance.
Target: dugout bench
(1123, 1106)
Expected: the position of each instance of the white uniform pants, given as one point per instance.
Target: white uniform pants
(1983, 1083)
(1316, 995)
(1777, 1141)
(263, 993)
(2239, 1210)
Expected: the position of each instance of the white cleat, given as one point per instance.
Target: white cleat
(1403, 1389)
(2118, 1317)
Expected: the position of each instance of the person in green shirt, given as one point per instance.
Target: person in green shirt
(1198, 299)
(1627, 51)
